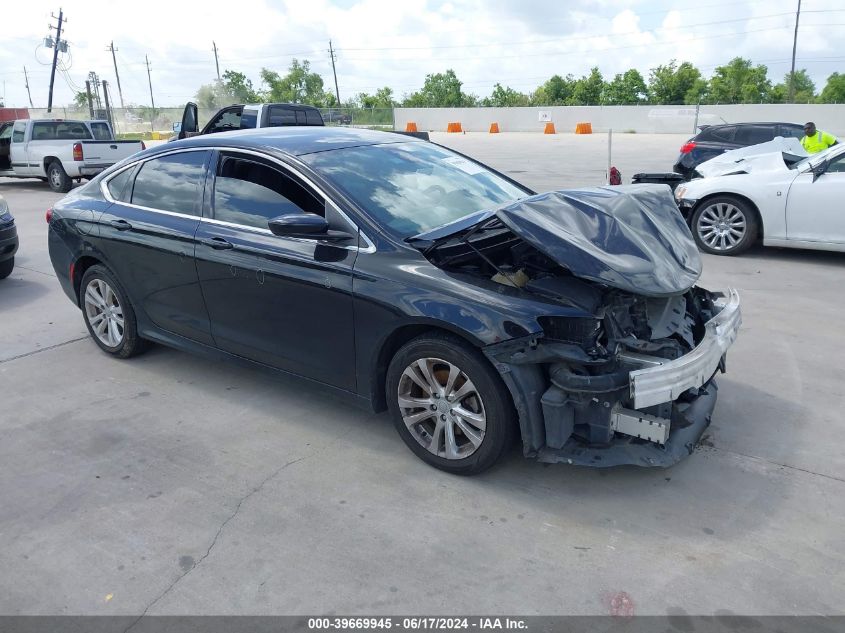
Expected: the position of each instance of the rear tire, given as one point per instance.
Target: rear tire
(449, 405)
(724, 225)
(6, 267)
(58, 180)
(108, 314)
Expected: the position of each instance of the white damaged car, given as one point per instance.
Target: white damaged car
(772, 192)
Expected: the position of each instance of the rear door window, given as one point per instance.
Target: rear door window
(754, 134)
(171, 183)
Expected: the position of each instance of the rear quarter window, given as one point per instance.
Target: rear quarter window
(171, 183)
(117, 185)
(721, 133)
(101, 132)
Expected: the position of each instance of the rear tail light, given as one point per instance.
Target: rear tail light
(687, 147)
(143, 145)
(49, 215)
(77, 151)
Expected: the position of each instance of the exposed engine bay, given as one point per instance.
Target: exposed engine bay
(581, 368)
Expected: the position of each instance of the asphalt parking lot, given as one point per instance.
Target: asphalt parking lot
(170, 484)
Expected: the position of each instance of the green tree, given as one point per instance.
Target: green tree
(556, 91)
(213, 96)
(834, 90)
(505, 97)
(299, 85)
(80, 100)
(671, 84)
(739, 82)
(805, 89)
(588, 90)
(383, 98)
(440, 90)
(239, 87)
(626, 89)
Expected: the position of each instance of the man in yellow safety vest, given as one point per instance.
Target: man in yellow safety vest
(815, 140)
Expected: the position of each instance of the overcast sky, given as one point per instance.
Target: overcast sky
(397, 42)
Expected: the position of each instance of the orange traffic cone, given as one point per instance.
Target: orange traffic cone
(494, 128)
(549, 129)
(410, 126)
(583, 128)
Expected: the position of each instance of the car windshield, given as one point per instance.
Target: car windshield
(814, 159)
(412, 187)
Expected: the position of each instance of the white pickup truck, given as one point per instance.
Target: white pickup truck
(60, 151)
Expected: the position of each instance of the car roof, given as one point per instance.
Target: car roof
(716, 125)
(295, 140)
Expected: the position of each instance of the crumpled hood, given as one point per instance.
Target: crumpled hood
(769, 156)
(630, 237)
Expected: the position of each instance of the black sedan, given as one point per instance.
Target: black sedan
(8, 240)
(713, 140)
(412, 278)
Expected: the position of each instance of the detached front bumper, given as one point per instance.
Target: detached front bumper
(650, 411)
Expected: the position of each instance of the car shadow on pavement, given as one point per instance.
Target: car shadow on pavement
(16, 292)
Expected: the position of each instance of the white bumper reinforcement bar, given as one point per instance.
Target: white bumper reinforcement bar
(666, 381)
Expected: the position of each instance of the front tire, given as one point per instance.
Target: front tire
(108, 314)
(449, 405)
(724, 225)
(59, 181)
(6, 267)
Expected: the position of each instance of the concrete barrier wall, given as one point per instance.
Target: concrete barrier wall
(643, 119)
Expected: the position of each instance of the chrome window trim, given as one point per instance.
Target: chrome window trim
(370, 245)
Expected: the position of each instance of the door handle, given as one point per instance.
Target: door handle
(121, 225)
(217, 243)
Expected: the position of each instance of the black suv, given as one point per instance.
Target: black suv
(8, 240)
(713, 140)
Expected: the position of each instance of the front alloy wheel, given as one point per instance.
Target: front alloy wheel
(449, 404)
(441, 408)
(724, 226)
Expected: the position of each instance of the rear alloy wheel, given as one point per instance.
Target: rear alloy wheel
(724, 226)
(108, 315)
(449, 405)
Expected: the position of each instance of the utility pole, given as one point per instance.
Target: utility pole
(149, 79)
(108, 106)
(116, 74)
(791, 96)
(334, 72)
(55, 59)
(216, 63)
(26, 79)
(90, 100)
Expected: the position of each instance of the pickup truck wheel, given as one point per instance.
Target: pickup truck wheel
(6, 267)
(58, 179)
(449, 404)
(724, 226)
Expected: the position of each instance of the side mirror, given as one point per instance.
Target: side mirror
(818, 170)
(306, 226)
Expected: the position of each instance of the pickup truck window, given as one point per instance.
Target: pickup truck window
(249, 119)
(228, 120)
(170, 183)
(18, 134)
(281, 116)
(60, 131)
(101, 131)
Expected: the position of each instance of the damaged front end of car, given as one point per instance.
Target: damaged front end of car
(627, 375)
